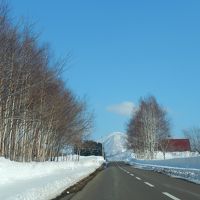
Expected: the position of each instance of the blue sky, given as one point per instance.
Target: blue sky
(124, 50)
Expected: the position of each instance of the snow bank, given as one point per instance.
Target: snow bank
(42, 181)
(185, 168)
(184, 163)
(171, 155)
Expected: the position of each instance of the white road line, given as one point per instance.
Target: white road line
(123, 169)
(132, 174)
(149, 184)
(171, 196)
(138, 178)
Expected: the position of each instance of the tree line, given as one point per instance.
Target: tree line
(39, 115)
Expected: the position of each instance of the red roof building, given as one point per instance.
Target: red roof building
(178, 145)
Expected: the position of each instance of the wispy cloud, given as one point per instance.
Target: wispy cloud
(125, 108)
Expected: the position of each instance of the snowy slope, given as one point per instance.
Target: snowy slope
(114, 143)
(42, 181)
(115, 147)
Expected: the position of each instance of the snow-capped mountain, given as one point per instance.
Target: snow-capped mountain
(115, 146)
(114, 143)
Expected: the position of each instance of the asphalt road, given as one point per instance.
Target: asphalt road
(122, 182)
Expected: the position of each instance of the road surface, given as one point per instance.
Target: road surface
(122, 182)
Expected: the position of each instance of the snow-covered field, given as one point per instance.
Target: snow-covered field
(42, 181)
(184, 165)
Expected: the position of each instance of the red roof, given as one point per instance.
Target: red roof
(178, 145)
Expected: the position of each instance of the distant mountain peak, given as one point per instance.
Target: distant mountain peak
(113, 134)
(114, 143)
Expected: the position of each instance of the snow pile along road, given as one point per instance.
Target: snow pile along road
(42, 181)
(185, 168)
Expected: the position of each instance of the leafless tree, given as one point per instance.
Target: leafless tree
(39, 115)
(193, 134)
(148, 126)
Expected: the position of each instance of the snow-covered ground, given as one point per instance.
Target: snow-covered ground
(42, 181)
(171, 155)
(184, 165)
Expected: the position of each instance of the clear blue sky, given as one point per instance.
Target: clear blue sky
(122, 50)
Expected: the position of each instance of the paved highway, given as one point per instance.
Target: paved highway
(122, 182)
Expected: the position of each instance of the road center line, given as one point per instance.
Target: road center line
(132, 174)
(149, 184)
(171, 196)
(138, 178)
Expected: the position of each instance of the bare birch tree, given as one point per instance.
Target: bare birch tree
(39, 115)
(193, 134)
(148, 126)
